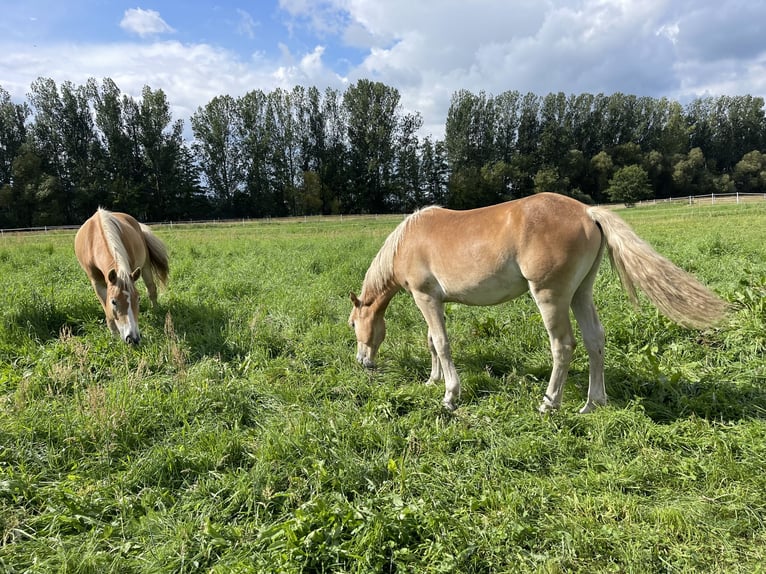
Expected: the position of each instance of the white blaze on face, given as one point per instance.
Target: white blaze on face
(129, 328)
(364, 355)
(361, 352)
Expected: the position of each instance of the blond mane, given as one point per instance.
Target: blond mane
(381, 271)
(111, 229)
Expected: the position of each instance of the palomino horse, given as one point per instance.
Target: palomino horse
(115, 250)
(548, 244)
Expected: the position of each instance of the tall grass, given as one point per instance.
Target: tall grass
(242, 437)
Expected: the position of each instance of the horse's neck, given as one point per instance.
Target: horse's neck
(115, 245)
(382, 297)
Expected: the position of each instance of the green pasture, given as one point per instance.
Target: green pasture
(241, 436)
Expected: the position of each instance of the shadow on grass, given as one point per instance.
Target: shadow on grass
(42, 319)
(663, 399)
(201, 326)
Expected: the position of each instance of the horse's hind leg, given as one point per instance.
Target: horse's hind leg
(594, 340)
(436, 366)
(151, 286)
(554, 308)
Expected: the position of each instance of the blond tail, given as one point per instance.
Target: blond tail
(158, 255)
(677, 294)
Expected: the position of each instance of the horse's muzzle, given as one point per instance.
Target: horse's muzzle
(133, 339)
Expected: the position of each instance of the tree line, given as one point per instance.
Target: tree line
(71, 148)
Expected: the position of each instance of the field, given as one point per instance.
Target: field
(241, 436)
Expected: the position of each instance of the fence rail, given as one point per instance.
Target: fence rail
(202, 222)
(708, 199)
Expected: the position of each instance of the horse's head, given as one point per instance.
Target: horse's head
(370, 328)
(121, 305)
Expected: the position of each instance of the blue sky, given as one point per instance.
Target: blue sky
(427, 49)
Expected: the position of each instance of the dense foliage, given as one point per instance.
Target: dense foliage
(241, 436)
(71, 148)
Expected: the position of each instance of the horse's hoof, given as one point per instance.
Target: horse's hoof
(450, 406)
(545, 408)
(590, 407)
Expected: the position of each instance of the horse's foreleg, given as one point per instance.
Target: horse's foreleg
(100, 288)
(555, 314)
(441, 357)
(594, 340)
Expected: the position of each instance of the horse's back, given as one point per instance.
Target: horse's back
(492, 253)
(92, 247)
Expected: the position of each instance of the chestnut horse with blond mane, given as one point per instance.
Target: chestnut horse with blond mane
(115, 250)
(548, 244)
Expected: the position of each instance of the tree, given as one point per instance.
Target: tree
(256, 140)
(335, 171)
(470, 130)
(690, 173)
(63, 137)
(554, 133)
(435, 172)
(409, 192)
(283, 156)
(217, 143)
(602, 167)
(750, 172)
(118, 160)
(19, 197)
(13, 132)
(548, 179)
(314, 193)
(161, 148)
(373, 117)
(629, 185)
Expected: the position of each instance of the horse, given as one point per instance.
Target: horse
(115, 250)
(548, 244)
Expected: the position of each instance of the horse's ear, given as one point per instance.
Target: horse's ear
(112, 276)
(355, 300)
(136, 274)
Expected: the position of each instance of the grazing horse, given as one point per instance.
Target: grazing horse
(548, 244)
(115, 250)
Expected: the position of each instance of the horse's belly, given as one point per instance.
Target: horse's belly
(489, 291)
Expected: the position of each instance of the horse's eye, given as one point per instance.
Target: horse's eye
(114, 302)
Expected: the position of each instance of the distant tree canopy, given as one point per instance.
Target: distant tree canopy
(69, 149)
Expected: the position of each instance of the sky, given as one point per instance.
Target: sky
(426, 49)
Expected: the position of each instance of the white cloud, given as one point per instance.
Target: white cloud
(190, 75)
(428, 49)
(670, 31)
(144, 22)
(246, 25)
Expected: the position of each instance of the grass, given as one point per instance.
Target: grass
(242, 437)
